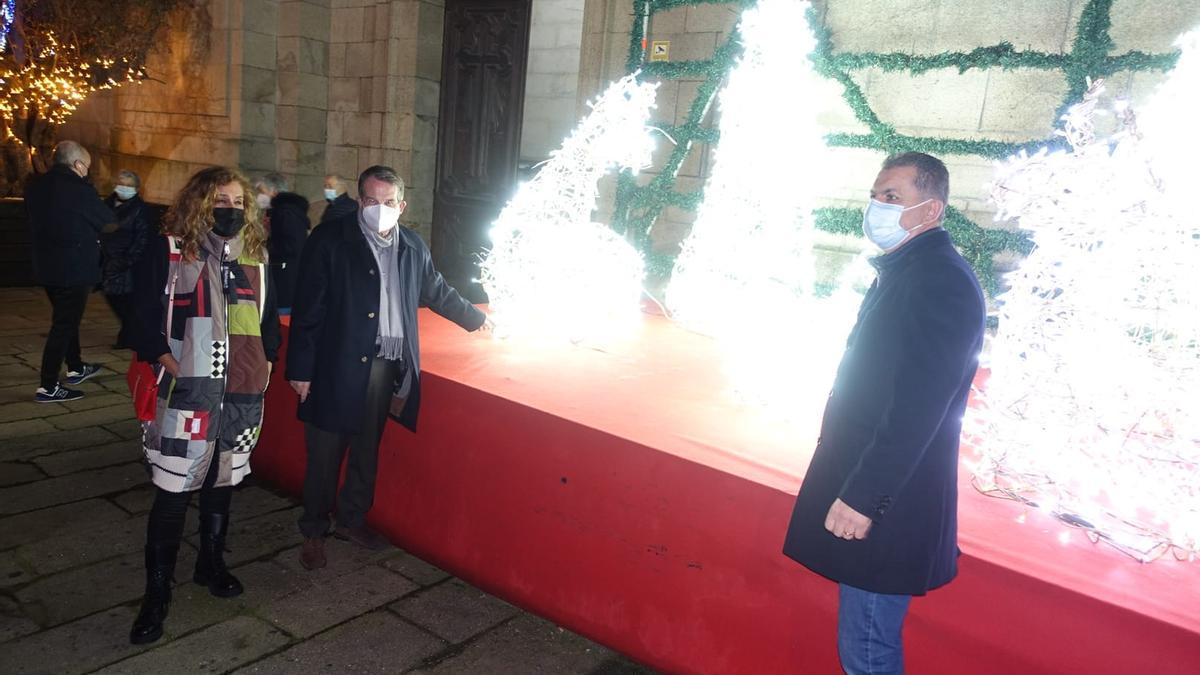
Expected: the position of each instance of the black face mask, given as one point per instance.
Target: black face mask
(227, 222)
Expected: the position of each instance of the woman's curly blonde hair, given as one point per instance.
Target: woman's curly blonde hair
(190, 218)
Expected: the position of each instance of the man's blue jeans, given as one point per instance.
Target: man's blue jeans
(869, 627)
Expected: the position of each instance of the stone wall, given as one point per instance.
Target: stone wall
(304, 87)
(986, 104)
(552, 76)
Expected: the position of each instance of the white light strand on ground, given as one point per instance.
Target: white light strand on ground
(746, 273)
(553, 273)
(1090, 412)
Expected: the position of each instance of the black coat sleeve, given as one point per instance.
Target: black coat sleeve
(150, 280)
(939, 329)
(439, 296)
(309, 305)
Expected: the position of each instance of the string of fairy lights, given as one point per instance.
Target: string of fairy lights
(51, 78)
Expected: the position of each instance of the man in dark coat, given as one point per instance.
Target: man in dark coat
(66, 217)
(877, 509)
(337, 202)
(286, 217)
(353, 354)
(122, 248)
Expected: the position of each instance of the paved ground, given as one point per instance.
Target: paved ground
(73, 503)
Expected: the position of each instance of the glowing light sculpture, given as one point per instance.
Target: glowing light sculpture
(552, 272)
(1091, 409)
(746, 273)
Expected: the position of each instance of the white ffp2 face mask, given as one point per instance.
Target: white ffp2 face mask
(264, 201)
(881, 223)
(125, 192)
(380, 217)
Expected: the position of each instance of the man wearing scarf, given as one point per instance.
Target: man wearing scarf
(353, 355)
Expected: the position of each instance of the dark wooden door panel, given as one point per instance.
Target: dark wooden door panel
(479, 131)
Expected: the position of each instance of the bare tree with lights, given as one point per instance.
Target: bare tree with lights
(53, 54)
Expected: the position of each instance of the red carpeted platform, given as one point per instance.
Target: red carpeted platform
(623, 495)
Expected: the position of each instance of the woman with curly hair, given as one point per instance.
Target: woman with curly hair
(206, 319)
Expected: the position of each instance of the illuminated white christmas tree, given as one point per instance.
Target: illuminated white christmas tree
(552, 272)
(1091, 410)
(746, 273)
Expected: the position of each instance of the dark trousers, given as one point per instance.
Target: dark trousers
(325, 453)
(123, 306)
(165, 525)
(62, 343)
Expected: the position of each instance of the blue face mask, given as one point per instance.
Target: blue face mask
(125, 192)
(330, 194)
(881, 223)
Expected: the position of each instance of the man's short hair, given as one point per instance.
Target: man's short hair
(273, 182)
(383, 173)
(933, 180)
(133, 177)
(69, 152)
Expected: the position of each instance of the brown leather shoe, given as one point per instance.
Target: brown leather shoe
(312, 553)
(362, 536)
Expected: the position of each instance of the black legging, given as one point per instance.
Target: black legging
(165, 525)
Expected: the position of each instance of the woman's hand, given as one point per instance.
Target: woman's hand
(170, 364)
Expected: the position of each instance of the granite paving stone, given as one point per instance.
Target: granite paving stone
(128, 428)
(216, 649)
(454, 610)
(13, 622)
(526, 645)
(102, 398)
(378, 642)
(55, 441)
(56, 521)
(425, 574)
(71, 461)
(69, 595)
(12, 571)
(331, 602)
(77, 647)
(82, 547)
(26, 408)
(137, 500)
(26, 427)
(15, 473)
(119, 412)
(73, 487)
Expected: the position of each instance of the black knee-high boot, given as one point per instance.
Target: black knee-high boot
(210, 566)
(163, 533)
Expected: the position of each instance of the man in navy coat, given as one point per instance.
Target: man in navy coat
(353, 355)
(877, 511)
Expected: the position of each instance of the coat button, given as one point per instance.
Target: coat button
(370, 315)
(364, 359)
(371, 272)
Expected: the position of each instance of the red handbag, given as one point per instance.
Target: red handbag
(143, 387)
(143, 384)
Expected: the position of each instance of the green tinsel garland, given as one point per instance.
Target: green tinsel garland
(638, 207)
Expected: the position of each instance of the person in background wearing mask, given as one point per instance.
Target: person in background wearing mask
(206, 316)
(353, 355)
(337, 202)
(122, 247)
(287, 226)
(66, 217)
(877, 510)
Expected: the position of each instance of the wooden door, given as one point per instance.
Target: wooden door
(485, 46)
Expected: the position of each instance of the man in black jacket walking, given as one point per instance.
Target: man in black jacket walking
(66, 217)
(353, 355)
(877, 509)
